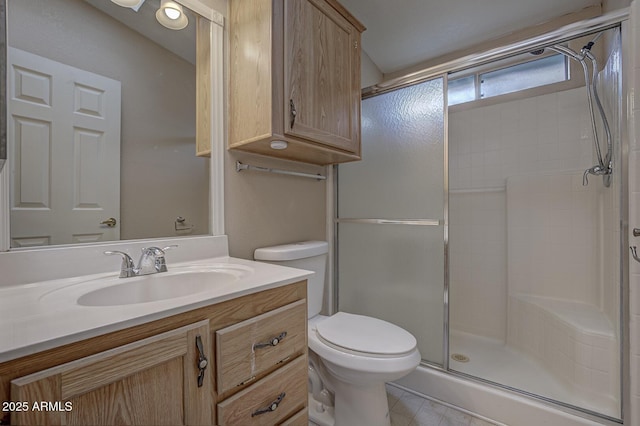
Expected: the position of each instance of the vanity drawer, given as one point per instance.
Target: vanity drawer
(250, 406)
(247, 349)
(301, 418)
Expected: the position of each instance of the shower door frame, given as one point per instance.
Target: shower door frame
(611, 20)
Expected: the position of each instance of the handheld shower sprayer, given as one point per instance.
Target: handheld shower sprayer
(604, 166)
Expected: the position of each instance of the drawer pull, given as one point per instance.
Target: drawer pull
(292, 113)
(271, 407)
(202, 361)
(272, 342)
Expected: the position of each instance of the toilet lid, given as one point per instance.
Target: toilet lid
(365, 334)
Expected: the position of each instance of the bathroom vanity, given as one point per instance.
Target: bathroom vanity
(235, 355)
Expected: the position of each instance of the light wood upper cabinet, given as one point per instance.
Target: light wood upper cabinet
(295, 77)
(152, 381)
(320, 75)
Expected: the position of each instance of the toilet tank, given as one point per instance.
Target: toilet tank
(309, 255)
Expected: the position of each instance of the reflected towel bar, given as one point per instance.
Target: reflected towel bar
(477, 190)
(240, 167)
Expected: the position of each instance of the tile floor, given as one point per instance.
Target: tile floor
(408, 409)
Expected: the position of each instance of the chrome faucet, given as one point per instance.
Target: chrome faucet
(127, 268)
(598, 170)
(151, 262)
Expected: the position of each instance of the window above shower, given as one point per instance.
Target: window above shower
(510, 77)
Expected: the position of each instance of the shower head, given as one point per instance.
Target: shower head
(589, 45)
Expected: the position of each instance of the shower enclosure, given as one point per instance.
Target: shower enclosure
(485, 229)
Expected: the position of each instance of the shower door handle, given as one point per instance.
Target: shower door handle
(634, 253)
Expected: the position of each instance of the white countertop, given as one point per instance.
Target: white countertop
(31, 320)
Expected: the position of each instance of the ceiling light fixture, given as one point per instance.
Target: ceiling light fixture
(171, 15)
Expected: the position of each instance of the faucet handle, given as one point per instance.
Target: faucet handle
(162, 263)
(156, 255)
(127, 266)
(157, 251)
(153, 250)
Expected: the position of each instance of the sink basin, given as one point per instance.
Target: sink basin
(178, 282)
(152, 288)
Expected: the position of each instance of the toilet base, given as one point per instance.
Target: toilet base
(361, 405)
(320, 414)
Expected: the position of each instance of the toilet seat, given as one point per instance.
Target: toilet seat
(366, 335)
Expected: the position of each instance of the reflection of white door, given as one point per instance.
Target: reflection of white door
(64, 145)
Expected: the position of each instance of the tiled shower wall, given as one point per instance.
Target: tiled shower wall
(544, 135)
(609, 81)
(552, 237)
(548, 133)
(478, 257)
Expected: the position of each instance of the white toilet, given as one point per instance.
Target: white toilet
(357, 354)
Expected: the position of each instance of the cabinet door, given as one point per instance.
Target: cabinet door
(150, 382)
(321, 75)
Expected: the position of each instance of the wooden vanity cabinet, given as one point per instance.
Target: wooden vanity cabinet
(153, 381)
(295, 77)
(149, 374)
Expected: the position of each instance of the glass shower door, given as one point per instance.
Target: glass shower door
(391, 216)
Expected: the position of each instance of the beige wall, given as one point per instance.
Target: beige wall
(160, 176)
(263, 209)
(370, 73)
(609, 5)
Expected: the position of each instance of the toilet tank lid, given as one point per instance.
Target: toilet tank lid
(291, 251)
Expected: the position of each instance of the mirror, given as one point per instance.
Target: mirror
(3, 84)
(101, 125)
